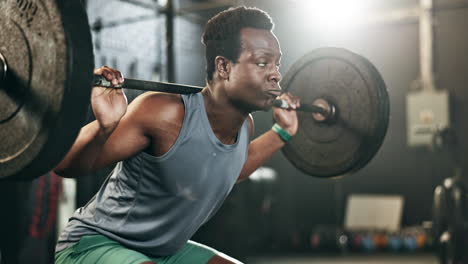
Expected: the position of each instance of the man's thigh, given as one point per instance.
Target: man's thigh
(99, 250)
(196, 253)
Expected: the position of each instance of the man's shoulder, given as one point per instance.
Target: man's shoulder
(157, 102)
(160, 98)
(160, 107)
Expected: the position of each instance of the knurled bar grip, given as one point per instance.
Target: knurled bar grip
(134, 84)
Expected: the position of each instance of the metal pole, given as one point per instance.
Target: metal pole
(426, 35)
(170, 41)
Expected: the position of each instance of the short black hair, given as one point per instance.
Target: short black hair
(221, 36)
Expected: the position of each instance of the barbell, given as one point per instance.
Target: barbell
(46, 65)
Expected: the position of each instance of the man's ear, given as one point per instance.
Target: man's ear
(223, 67)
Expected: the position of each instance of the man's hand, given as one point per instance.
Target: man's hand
(109, 104)
(287, 118)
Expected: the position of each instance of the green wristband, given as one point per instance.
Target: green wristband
(284, 135)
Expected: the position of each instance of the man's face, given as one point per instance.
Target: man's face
(254, 80)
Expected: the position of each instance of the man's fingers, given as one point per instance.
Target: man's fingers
(98, 71)
(296, 100)
(112, 75)
(293, 101)
(121, 78)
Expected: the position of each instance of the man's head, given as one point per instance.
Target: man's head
(222, 33)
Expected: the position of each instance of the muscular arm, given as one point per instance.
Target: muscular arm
(146, 121)
(263, 147)
(97, 147)
(260, 150)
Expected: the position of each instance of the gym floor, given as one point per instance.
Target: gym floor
(355, 259)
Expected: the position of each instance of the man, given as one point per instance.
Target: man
(178, 155)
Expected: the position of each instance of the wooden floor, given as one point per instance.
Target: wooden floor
(355, 259)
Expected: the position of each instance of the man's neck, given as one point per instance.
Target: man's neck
(225, 119)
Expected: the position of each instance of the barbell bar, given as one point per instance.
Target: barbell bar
(324, 109)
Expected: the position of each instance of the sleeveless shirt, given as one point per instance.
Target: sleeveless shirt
(155, 204)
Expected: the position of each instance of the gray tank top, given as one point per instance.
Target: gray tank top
(155, 204)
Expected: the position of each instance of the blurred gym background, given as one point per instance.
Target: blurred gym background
(406, 206)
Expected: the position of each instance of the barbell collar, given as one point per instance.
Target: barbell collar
(3, 68)
(327, 113)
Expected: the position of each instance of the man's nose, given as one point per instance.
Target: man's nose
(275, 75)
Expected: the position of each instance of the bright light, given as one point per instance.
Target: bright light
(264, 174)
(333, 14)
(162, 3)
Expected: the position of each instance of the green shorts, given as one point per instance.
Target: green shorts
(102, 250)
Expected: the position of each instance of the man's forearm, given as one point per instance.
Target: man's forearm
(260, 150)
(84, 152)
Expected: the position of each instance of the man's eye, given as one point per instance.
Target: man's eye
(261, 64)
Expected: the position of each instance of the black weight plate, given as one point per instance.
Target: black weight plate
(356, 89)
(43, 101)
